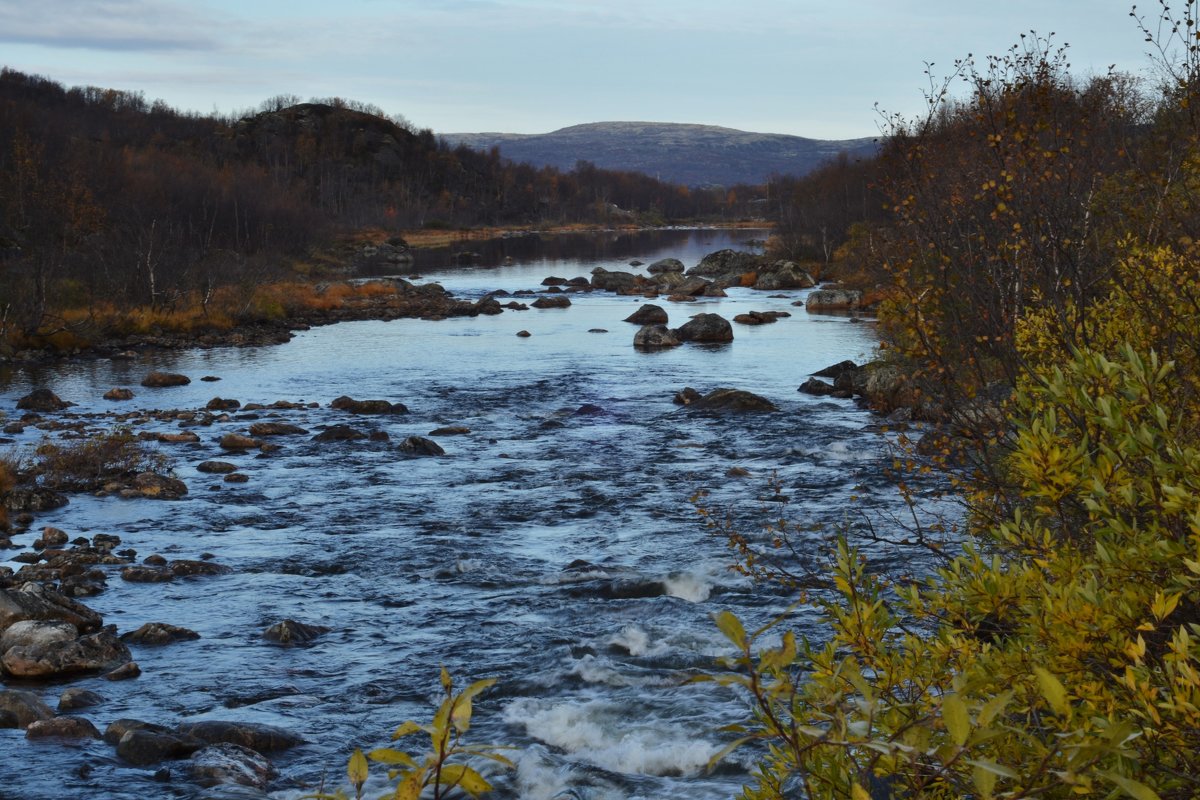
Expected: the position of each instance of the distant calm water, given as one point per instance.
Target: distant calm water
(553, 550)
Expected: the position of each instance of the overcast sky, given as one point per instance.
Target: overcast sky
(808, 67)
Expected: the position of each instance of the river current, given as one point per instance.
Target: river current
(553, 547)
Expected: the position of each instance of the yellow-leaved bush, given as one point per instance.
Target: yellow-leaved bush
(1058, 656)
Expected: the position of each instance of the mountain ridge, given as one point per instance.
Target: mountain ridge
(687, 153)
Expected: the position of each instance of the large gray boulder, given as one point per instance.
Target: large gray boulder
(705, 328)
(35, 602)
(256, 736)
(725, 263)
(833, 300)
(665, 265)
(619, 282)
(225, 763)
(721, 401)
(783, 275)
(655, 336)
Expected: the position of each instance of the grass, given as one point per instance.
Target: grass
(90, 463)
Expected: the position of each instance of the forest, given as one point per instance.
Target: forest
(109, 202)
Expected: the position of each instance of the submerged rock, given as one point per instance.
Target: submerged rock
(118, 394)
(158, 380)
(256, 736)
(339, 433)
(276, 429)
(552, 302)
(24, 707)
(216, 467)
(161, 487)
(159, 633)
(732, 400)
(346, 403)
(75, 698)
(147, 744)
(420, 446)
(289, 631)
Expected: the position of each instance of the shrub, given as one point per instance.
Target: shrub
(90, 463)
(1058, 656)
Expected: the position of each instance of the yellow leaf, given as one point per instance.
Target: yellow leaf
(1136, 790)
(1052, 690)
(447, 682)
(357, 768)
(464, 778)
(956, 718)
(410, 788)
(859, 793)
(386, 755)
(985, 782)
(460, 717)
(407, 729)
(731, 626)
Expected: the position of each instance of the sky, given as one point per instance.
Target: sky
(816, 68)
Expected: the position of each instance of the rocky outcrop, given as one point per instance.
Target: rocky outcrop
(705, 328)
(648, 315)
(159, 380)
(42, 401)
(345, 403)
(817, 387)
(721, 401)
(655, 336)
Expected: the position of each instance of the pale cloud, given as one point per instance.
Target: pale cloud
(111, 25)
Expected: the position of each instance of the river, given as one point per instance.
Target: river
(553, 547)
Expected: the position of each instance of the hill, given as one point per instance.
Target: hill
(693, 155)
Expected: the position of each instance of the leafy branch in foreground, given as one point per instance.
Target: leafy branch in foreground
(1057, 657)
(443, 767)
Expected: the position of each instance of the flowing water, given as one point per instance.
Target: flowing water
(553, 547)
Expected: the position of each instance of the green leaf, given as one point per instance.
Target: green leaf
(1053, 691)
(386, 755)
(731, 626)
(956, 718)
(357, 768)
(1135, 789)
(465, 778)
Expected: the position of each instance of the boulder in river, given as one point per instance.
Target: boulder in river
(783, 275)
(835, 370)
(289, 631)
(33, 601)
(705, 328)
(726, 262)
(25, 707)
(339, 433)
(760, 317)
(159, 380)
(275, 429)
(216, 467)
(42, 401)
(420, 446)
(648, 314)
(817, 387)
(611, 281)
(76, 698)
(686, 396)
(552, 302)
(62, 728)
(833, 300)
(225, 763)
(256, 736)
(655, 336)
(732, 401)
(161, 487)
(91, 653)
(159, 633)
(118, 393)
(237, 441)
(36, 633)
(223, 404)
(346, 403)
(665, 265)
(152, 744)
(34, 500)
(690, 286)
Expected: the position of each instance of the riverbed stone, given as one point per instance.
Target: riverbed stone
(32, 601)
(226, 763)
(65, 727)
(159, 380)
(654, 337)
(276, 429)
(148, 573)
(817, 387)
(347, 403)
(450, 430)
(705, 328)
(147, 744)
(91, 653)
(665, 265)
(42, 401)
(552, 302)
(833, 300)
(189, 567)
(256, 736)
(216, 467)
(125, 672)
(649, 314)
(614, 281)
(159, 633)
(159, 487)
(35, 500)
(36, 633)
(339, 433)
(76, 698)
(185, 437)
(237, 441)
(24, 706)
(118, 393)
